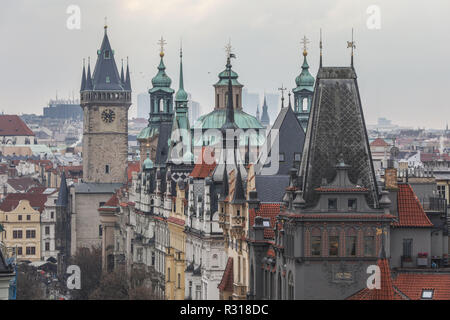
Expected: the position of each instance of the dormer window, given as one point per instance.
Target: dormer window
(107, 54)
(352, 205)
(107, 79)
(332, 204)
(427, 294)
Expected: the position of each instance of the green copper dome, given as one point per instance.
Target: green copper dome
(161, 80)
(223, 79)
(148, 132)
(305, 80)
(216, 119)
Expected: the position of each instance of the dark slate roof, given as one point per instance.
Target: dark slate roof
(291, 138)
(106, 67)
(86, 187)
(239, 194)
(63, 195)
(271, 188)
(162, 148)
(336, 125)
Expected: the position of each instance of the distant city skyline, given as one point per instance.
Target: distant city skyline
(399, 78)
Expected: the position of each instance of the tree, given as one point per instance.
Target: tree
(90, 263)
(29, 285)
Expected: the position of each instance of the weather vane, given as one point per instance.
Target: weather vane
(162, 43)
(305, 41)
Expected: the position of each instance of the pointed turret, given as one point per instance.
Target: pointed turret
(106, 75)
(229, 123)
(88, 77)
(83, 77)
(63, 199)
(128, 79)
(122, 77)
(181, 95)
(265, 120)
(239, 194)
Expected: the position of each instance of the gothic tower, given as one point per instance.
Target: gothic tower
(105, 99)
(304, 91)
(265, 119)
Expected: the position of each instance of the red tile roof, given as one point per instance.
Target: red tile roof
(226, 284)
(266, 210)
(133, 166)
(177, 221)
(37, 200)
(386, 290)
(410, 211)
(378, 142)
(412, 285)
(203, 169)
(111, 204)
(23, 184)
(12, 125)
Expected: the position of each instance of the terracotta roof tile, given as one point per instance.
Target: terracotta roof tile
(177, 221)
(203, 169)
(133, 166)
(13, 125)
(378, 142)
(412, 285)
(226, 284)
(37, 200)
(410, 211)
(266, 210)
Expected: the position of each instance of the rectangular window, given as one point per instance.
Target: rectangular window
(407, 248)
(31, 250)
(297, 156)
(107, 169)
(281, 158)
(316, 246)
(28, 217)
(17, 234)
(47, 230)
(350, 243)
(333, 243)
(369, 246)
(441, 191)
(20, 217)
(352, 205)
(332, 204)
(52, 214)
(47, 246)
(100, 231)
(30, 234)
(19, 251)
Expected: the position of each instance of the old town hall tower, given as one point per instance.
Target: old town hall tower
(105, 99)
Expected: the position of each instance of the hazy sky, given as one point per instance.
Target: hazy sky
(403, 68)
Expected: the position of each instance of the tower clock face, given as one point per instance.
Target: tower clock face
(108, 116)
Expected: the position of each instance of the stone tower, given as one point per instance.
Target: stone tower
(105, 99)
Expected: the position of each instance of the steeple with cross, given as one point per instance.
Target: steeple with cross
(162, 43)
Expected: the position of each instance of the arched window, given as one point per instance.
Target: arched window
(290, 286)
(305, 104)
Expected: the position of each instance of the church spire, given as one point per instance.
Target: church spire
(83, 76)
(265, 120)
(229, 123)
(181, 95)
(320, 47)
(122, 78)
(127, 79)
(88, 77)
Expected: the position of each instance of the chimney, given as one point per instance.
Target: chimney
(390, 177)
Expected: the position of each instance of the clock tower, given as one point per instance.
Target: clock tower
(105, 99)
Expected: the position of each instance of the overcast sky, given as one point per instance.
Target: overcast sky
(403, 68)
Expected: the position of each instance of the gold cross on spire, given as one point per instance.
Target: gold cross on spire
(228, 48)
(162, 43)
(305, 41)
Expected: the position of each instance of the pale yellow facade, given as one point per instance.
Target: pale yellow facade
(175, 256)
(22, 231)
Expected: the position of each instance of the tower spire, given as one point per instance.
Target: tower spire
(320, 47)
(351, 44)
(127, 79)
(229, 124)
(122, 78)
(181, 95)
(83, 76)
(88, 76)
(289, 106)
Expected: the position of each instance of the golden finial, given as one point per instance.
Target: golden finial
(106, 23)
(162, 43)
(305, 42)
